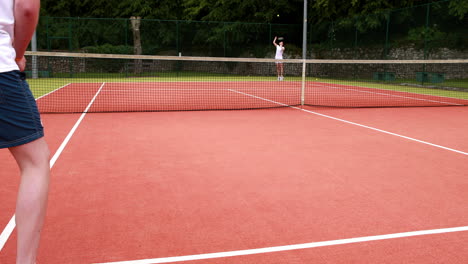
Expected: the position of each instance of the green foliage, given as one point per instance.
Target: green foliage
(161, 9)
(458, 8)
(244, 10)
(246, 27)
(266, 11)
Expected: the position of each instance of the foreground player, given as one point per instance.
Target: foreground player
(279, 56)
(21, 130)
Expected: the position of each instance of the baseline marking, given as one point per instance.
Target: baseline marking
(6, 233)
(356, 124)
(291, 247)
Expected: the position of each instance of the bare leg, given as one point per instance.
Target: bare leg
(281, 70)
(278, 70)
(33, 161)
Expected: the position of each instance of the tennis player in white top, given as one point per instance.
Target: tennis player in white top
(20, 127)
(279, 56)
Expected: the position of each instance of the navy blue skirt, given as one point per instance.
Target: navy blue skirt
(20, 122)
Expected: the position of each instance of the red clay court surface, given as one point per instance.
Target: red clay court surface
(287, 185)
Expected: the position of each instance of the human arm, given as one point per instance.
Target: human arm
(274, 42)
(26, 17)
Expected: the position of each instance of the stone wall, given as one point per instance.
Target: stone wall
(402, 53)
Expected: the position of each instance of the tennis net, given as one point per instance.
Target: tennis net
(76, 82)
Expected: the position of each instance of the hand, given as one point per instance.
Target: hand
(21, 63)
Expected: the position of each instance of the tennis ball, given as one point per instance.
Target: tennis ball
(277, 15)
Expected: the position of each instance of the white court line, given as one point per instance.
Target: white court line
(143, 89)
(44, 95)
(6, 233)
(291, 247)
(394, 95)
(355, 124)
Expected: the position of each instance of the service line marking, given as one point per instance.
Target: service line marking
(290, 247)
(356, 124)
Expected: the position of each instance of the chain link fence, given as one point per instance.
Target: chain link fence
(427, 31)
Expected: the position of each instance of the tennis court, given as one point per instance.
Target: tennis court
(283, 182)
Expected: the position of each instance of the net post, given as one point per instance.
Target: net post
(303, 82)
(35, 72)
(304, 52)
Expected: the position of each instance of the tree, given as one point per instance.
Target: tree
(244, 10)
(160, 9)
(247, 23)
(137, 50)
(458, 8)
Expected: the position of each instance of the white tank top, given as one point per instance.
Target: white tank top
(7, 27)
(279, 52)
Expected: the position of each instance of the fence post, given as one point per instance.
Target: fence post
(428, 8)
(126, 31)
(47, 33)
(355, 37)
(224, 39)
(269, 36)
(177, 36)
(70, 33)
(386, 35)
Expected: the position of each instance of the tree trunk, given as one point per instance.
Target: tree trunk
(136, 42)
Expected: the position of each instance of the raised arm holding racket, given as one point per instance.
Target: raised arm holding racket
(279, 56)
